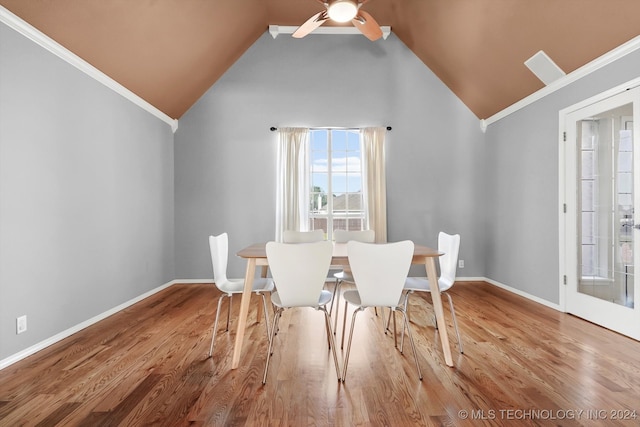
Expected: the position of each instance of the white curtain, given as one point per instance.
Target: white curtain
(374, 181)
(292, 191)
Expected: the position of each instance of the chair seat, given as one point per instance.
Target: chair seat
(344, 276)
(352, 297)
(236, 286)
(422, 284)
(325, 298)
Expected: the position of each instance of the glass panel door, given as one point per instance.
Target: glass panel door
(602, 166)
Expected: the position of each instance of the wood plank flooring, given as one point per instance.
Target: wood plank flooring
(524, 364)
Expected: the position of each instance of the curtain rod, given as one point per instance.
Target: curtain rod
(273, 128)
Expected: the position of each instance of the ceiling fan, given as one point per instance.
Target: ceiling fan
(342, 11)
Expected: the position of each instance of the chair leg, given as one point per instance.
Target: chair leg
(215, 324)
(455, 322)
(332, 341)
(388, 322)
(333, 298)
(346, 358)
(276, 318)
(328, 331)
(395, 334)
(413, 345)
(266, 313)
(405, 305)
(336, 297)
(229, 311)
(344, 324)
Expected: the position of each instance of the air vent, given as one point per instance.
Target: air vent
(544, 68)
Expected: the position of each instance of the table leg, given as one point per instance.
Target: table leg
(244, 311)
(432, 275)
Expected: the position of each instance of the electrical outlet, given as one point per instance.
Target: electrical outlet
(461, 263)
(21, 324)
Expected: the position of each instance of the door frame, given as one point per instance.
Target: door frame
(565, 221)
(562, 245)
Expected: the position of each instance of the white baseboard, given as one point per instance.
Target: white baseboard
(192, 281)
(523, 294)
(471, 279)
(64, 334)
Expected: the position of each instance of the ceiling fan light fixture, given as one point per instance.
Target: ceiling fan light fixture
(342, 10)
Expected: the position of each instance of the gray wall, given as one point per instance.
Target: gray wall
(86, 196)
(225, 155)
(522, 208)
(87, 200)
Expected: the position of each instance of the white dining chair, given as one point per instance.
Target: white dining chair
(344, 236)
(292, 236)
(219, 248)
(379, 271)
(450, 246)
(300, 271)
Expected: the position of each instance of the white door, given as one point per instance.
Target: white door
(602, 227)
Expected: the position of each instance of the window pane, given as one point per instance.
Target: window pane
(318, 203)
(588, 260)
(320, 182)
(339, 161)
(339, 183)
(343, 161)
(319, 161)
(353, 141)
(588, 237)
(318, 139)
(354, 182)
(588, 165)
(588, 196)
(339, 140)
(318, 224)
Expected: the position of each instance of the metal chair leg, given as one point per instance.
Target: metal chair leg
(455, 322)
(413, 345)
(335, 289)
(344, 325)
(336, 296)
(388, 322)
(266, 314)
(229, 311)
(332, 341)
(346, 358)
(405, 304)
(395, 334)
(276, 318)
(215, 324)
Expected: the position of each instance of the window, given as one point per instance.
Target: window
(336, 184)
(331, 178)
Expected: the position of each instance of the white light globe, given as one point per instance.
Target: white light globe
(343, 10)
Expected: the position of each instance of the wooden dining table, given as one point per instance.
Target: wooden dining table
(256, 255)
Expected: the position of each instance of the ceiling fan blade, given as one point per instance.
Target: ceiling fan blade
(311, 24)
(367, 25)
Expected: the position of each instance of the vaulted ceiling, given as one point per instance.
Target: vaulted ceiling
(169, 52)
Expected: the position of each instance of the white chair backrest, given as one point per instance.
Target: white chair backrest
(380, 270)
(291, 236)
(450, 245)
(219, 247)
(299, 271)
(343, 236)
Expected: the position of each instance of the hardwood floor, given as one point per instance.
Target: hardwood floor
(524, 364)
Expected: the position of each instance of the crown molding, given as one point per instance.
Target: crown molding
(591, 67)
(22, 27)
